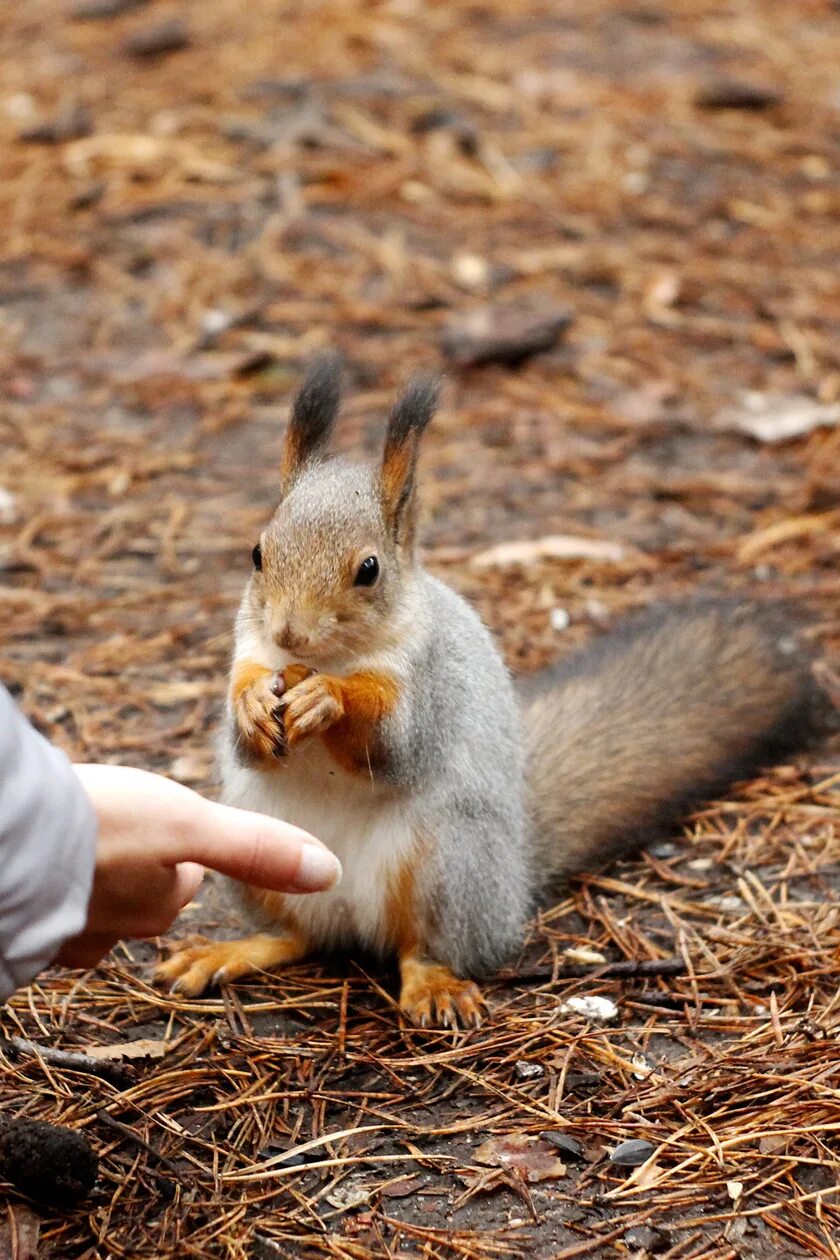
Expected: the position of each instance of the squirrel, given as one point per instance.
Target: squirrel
(369, 705)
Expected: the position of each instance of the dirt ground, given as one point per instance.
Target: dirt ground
(196, 197)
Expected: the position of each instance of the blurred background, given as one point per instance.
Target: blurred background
(614, 226)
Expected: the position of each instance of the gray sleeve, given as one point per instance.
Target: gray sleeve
(47, 846)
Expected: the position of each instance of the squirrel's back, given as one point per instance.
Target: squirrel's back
(624, 736)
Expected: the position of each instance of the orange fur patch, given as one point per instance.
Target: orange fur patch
(243, 677)
(292, 456)
(366, 700)
(402, 927)
(396, 468)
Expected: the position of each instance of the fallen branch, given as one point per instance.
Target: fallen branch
(596, 971)
(70, 1060)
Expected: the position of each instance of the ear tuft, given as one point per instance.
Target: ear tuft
(409, 416)
(313, 415)
(413, 409)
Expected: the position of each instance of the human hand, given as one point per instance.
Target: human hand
(156, 837)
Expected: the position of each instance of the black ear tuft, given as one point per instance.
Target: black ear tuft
(313, 415)
(413, 409)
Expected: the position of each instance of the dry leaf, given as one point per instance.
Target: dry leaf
(646, 1175)
(553, 547)
(346, 1197)
(19, 1233)
(143, 1048)
(525, 1154)
(401, 1189)
(601, 1010)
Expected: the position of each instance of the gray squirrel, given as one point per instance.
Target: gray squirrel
(369, 705)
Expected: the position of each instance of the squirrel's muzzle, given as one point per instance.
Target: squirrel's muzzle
(288, 639)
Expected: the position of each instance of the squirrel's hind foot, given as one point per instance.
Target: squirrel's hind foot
(198, 967)
(431, 996)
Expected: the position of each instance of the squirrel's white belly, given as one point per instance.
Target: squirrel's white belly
(369, 829)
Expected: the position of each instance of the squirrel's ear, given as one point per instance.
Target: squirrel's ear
(313, 415)
(409, 417)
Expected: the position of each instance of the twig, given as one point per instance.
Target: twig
(131, 1135)
(598, 971)
(70, 1060)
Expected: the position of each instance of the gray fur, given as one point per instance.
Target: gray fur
(464, 761)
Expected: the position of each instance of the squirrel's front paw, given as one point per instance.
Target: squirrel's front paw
(311, 706)
(255, 699)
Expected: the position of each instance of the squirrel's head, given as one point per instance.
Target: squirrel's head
(333, 567)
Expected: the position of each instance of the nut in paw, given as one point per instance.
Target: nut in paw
(311, 706)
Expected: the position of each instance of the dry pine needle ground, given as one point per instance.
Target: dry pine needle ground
(194, 199)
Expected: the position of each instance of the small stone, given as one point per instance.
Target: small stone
(154, 41)
(528, 1071)
(559, 619)
(646, 1238)
(737, 94)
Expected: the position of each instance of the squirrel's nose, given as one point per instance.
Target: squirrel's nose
(286, 638)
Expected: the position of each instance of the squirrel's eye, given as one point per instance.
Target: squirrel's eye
(367, 572)
(256, 556)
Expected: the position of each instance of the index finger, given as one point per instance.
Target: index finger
(256, 849)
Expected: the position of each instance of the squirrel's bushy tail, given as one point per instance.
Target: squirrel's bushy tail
(659, 715)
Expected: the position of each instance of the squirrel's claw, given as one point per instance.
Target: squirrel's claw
(431, 996)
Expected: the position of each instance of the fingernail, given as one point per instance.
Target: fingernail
(319, 869)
